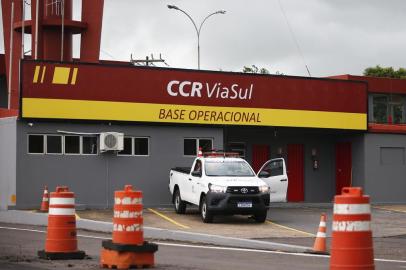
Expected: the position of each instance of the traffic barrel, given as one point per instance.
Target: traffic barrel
(127, 220)
(127, 248)
(320, 242)
(351, 246)
(61, 242)
(45, 200)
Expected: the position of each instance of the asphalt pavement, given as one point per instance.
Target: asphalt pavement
(19, 244)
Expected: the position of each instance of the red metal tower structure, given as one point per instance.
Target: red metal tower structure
(51, 28)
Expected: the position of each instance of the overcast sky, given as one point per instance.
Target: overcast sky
(330, 36)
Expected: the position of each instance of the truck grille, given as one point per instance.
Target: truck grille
(243, 190)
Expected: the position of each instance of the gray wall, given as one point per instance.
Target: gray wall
(7, 161)
(385, 171)
(319, 184)
(95, 178)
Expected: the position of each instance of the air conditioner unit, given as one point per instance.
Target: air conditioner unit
(111, 141)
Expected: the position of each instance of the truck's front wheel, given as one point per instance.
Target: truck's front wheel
(261, 216)
(180, 206)
(205, 214)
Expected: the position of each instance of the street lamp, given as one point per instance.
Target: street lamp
(198, 30)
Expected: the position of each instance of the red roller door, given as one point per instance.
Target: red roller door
(260, 154)
(295, 167)
(343, 166)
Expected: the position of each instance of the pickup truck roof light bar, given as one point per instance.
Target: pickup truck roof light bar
(220, 153)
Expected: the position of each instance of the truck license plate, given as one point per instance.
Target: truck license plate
(244, 204)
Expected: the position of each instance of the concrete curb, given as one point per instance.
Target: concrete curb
(41, 219)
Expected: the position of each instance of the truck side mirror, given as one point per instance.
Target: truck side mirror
(264, 174)
(197, 173)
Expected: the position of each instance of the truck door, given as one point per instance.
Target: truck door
(273, 172)
(194, 180)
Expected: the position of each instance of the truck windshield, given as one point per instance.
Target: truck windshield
(228, 168)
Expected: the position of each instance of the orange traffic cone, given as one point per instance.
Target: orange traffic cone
(320, 243)
(45, 200)
(128, 248)
(61, 242)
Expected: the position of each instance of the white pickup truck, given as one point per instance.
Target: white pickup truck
(224, 184)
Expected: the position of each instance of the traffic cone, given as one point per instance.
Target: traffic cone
(200, 152)
(61, 242)
(320, 242)
(127, 248)
(45, 201)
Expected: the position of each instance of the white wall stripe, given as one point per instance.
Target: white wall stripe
(354, 209)
(351, 226)
(58, 201)
(321, 234)
(61, 211)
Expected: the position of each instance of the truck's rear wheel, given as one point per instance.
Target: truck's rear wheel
(180, 206)
(261, 216)
(205, 214)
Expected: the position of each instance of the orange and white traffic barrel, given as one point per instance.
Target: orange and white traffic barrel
(127, 220)
(351, 246)
(127, 248)
(61, 241)
(45, 200)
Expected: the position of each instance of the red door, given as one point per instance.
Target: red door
(343, 166)
(295, 166)
(260, 155)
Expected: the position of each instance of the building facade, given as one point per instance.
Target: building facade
(55, 111)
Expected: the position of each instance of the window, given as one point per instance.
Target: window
(35, 144)
(388, 109)
(89, 145)
(198, 166)
(128, 147)
(237, 147)
(141, 147)
(54, 144)
(135, 146)
(191, 146)
(274, 168)
(72, 145)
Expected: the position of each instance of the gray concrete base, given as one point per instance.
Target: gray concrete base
(41, 219)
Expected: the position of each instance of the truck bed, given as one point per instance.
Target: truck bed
(185, 170)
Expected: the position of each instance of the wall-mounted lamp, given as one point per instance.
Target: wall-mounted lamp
(30, 124)
(280, 151)
(314, 152)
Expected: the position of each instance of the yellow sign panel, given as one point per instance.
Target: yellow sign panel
(170, 113)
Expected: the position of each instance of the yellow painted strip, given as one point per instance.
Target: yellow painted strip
(291, 229)
(75, 73)
(44, 69)
(36, 73)
(147, 112)
(168, 218)
(389, 209)
(61, 75)
(77, 216)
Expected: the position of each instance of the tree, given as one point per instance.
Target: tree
(387, 72)
(254, 69)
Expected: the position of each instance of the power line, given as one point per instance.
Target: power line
(294, 37)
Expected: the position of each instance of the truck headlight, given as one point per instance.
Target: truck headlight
(217, 188)
(264, 189)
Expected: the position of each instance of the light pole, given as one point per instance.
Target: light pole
(198, 30)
